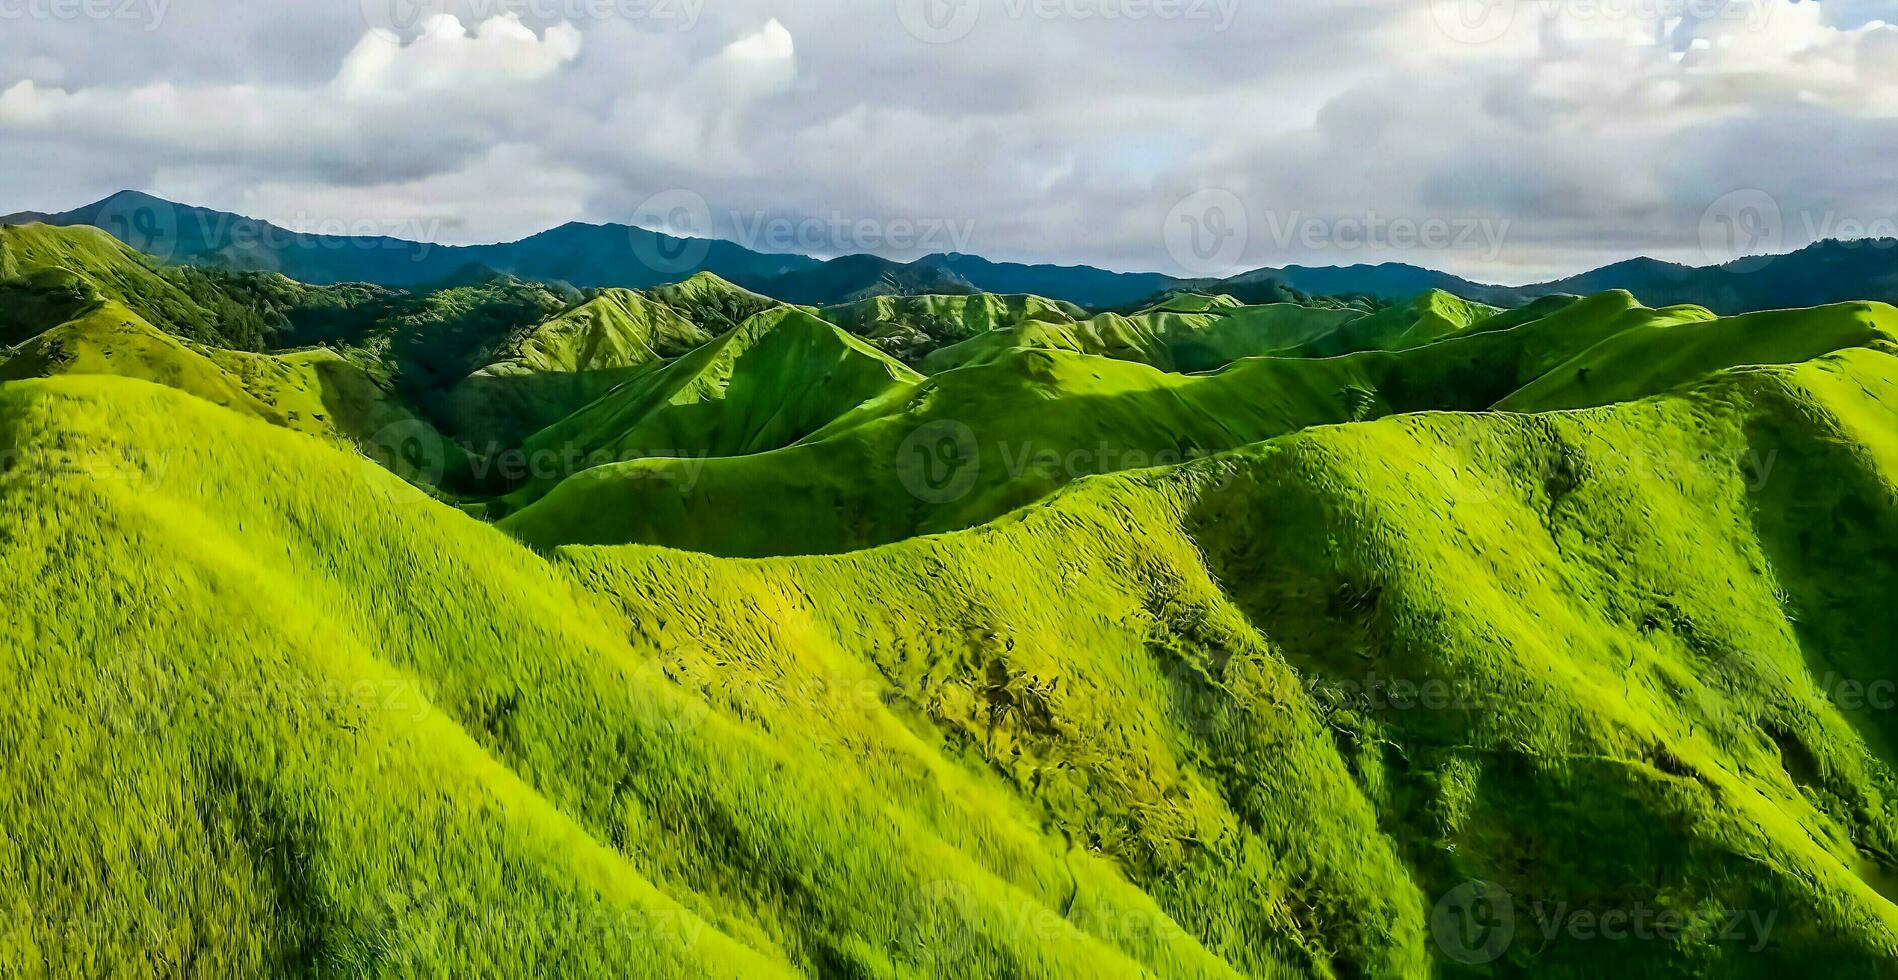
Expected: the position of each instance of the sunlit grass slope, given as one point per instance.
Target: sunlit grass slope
(781, 376)
(315, 392)
(973, 443)
(566, 362)
(1150, 726)
(1201, 337)
(1664, 355)
(324, 724)
(963, 447)
(103, 263)
(910, 328)
(711, 302)
(1430, 317)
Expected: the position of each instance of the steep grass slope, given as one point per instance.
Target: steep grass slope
(1178, 336)
(101, 263)
(962, 448)
(711, 302)
(1425, 319)
(1269, 714)
(325, 724)
(571, 359)
(1661, 356)
(781, 376)
(974, 443)
(910, 328)
(316, 392)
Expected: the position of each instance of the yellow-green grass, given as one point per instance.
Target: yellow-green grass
(1164, 337)
(1157, 724)
(778, 378)
(105, 265)
(315, 391)
(570, 360)
(1430, 317)
(971, 444)
(1663, 355)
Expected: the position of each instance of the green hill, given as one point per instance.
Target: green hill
(1320, 638)
(1184, 337)
(1272, 713)
(781, 376)
(315, 392)
(910, 328)
(973, 443)
(1664, 355)
(36, 259)
(711, 302)
(1428, 318)
(558, 367)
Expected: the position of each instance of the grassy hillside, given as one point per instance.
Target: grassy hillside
(910, 328)
(711, 302)
(1184, 334)
(38, 258)
(973, 443)
(1306, 639)
(1152, 726)
(1661, 356)
(315, 392)
(1428, 318)
(559, 366)
(780, 377)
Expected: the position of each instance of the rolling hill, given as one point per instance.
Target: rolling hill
(560, 365)
(974, 442)
(943, 635)
(1170, 722)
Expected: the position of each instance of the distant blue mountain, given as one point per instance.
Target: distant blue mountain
(589, 255)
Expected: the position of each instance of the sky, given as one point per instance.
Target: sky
(1508, 141)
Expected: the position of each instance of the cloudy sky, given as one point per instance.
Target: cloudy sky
(1507, 140)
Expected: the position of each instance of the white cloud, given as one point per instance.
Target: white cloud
(1594, 128)
(446, 56)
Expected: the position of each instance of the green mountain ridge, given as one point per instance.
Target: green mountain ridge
(940, 635)
(601, 256)
(617, 796)
(776, 379)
